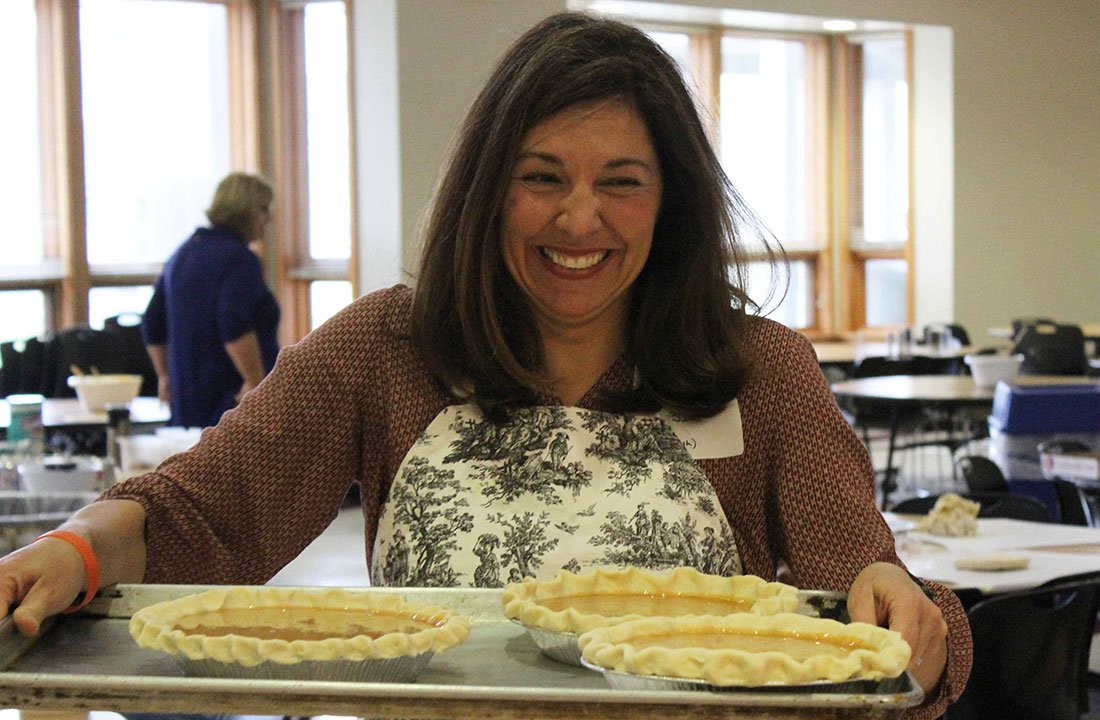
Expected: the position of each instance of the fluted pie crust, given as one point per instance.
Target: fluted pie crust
(748, 650)
(253, 625)
(578, 602)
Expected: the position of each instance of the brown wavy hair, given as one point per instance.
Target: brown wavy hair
(689, 311)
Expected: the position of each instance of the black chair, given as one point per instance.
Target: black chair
(1051, 349)
(993, 505)
(1072, 504)
(981, 474)
(1031, 653)
(125, 330)
(1023, 323)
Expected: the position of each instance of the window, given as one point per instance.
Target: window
(24, 313)
(769, 149)
(317, 242)
(813, 130)
(328, 144)
(878, 141)
(20, 172)
(122, 117)
(156, 131)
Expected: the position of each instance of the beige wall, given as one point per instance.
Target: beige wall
(1026, 136)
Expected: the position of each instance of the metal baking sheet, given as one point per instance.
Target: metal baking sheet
(87, 661)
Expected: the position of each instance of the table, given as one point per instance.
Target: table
(62, 412)
(950, 393)
(1054, 550)
(86, 431)
(1091, 331)
(839, 352)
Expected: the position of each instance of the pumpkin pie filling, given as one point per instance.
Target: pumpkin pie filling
(748, 649)
(292, 624)
(248, 626)
(647, 604)
(800, 646)
(577, 602)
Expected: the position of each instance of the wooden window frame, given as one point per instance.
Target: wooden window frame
(854, 254)
(267, 135)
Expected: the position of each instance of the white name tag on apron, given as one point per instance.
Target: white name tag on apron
(715, 437)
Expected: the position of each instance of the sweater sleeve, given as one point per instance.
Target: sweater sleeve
(273, 473)
(830, 526)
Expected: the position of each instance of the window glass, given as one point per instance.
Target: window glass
(885, 142)
(764, 134)
(886, 299)
(156, 122)
(678, 45)
(796, 309)
(20, 171)
(326, 298)
(106, 302)
(328, 156)
(24, 313)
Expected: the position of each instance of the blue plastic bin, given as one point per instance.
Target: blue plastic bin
(1035, 409)
(1025, 415)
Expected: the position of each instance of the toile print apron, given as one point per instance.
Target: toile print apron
(477, 504)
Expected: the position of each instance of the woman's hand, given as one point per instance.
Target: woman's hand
(43, 579)
(883, 594)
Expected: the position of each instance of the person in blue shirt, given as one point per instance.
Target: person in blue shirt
(210, 328)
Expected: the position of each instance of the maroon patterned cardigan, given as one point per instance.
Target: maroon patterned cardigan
(346, 403)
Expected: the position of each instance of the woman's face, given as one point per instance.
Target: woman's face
(261, 216)
(579, 215)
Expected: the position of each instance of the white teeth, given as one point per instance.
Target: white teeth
(574, 262)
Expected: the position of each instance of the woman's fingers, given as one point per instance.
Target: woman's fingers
(884, 594)
(39, 580)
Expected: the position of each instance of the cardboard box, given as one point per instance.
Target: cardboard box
(1083, 465)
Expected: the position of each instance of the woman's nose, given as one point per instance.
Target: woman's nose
(579, 213)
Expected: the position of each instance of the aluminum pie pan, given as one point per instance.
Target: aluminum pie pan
(629, 681)
(404, 669)
(559, 645)
(563, 646)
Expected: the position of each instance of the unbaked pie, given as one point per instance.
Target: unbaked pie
(748, 650)
(246, 627)
(576, 602)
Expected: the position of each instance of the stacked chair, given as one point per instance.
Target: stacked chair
(1031, 653)
(1051, 349)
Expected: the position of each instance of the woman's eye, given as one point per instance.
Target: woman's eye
(622, 183)
(539, 178)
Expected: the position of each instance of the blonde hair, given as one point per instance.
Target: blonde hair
(237, 200)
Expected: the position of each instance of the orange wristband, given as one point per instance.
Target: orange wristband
(91, 563)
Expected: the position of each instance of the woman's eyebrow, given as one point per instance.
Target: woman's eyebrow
(610, 164)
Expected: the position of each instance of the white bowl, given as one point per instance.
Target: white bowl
(60, 474)
(96, 392)
(988, 370)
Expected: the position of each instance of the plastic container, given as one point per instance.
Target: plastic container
(141, 453)
(1046, 409)
(96, 392)
(26, 417)
(988, 370)
(62, 474)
